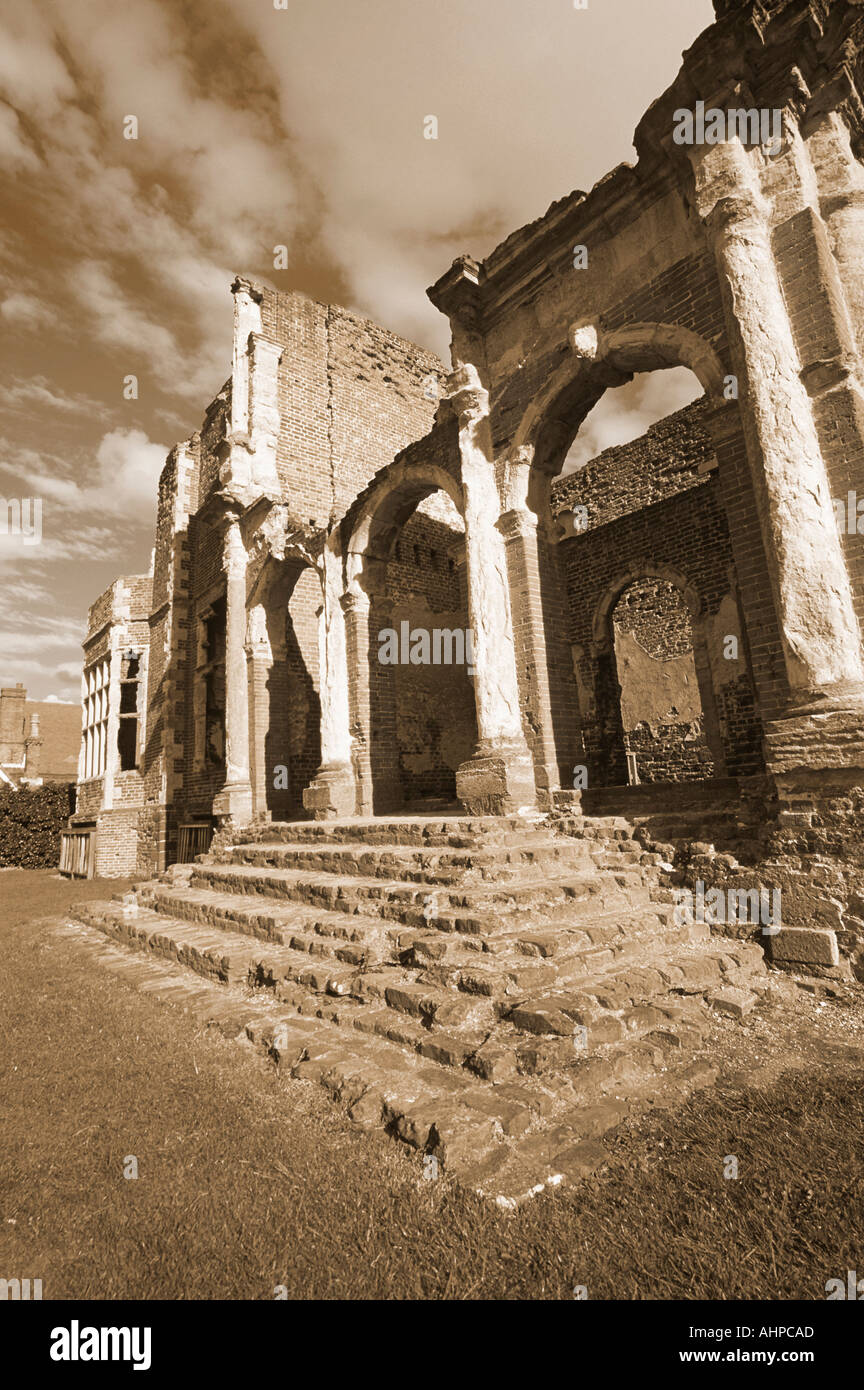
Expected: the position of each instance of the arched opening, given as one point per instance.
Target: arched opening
(409, 642)
(625, 413)
(284, 702)
(435, 718)
(616, 460)
(661, 717)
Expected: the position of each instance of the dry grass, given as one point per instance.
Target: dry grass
(248, 1181)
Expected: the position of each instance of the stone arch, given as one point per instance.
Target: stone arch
(282, 654)
(383, 721)
(598, 359)
(601, 623)
(371, 527)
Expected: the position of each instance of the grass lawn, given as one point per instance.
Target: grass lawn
(248, 1181)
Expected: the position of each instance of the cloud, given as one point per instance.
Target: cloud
(125, 474)
(14, 148)
(27, 311)
(32, 74)
(38, 391)
(129, 468)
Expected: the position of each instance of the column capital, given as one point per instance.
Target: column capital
(517, 523)
(467, 395)
(355, 601)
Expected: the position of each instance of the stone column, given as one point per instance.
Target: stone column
(333, 792)
(540, 624)
(259, 663)
(840, 180)
(499, 778)
(234, 801)
(819, 630)
(355, 607)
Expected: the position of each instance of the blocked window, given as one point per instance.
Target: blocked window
(127, 732)
(209, 689)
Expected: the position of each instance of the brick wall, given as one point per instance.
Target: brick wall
(435, 720)
(653, 505)
(351, 395)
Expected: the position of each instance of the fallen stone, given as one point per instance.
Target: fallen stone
(809, 945)
(735, 1002)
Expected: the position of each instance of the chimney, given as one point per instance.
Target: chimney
(33, 750)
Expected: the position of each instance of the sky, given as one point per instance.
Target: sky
(257, 128)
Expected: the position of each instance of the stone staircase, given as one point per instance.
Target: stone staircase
(498, 992)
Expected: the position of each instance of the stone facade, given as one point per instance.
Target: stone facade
(297, 525)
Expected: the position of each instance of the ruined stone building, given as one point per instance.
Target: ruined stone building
(683, 609)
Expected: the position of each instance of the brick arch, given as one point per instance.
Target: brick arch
(598, 360)
(370, 528)
(601, 626)
(378, 711)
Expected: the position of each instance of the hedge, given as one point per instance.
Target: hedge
(30, 823)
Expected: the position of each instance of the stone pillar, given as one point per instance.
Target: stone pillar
(260, 661)
(819, 630)
(249, 467)
(540, 623)
(333, 792)
(499, 778)
(840, 180)
(234, 801)
(356, 606)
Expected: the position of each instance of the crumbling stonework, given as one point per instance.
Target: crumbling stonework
(289, 534)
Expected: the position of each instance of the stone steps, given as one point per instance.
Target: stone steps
(613, 1003)
(411, 864)
(556, 981)
(315, 930)
(475, 909)
(457, 832)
